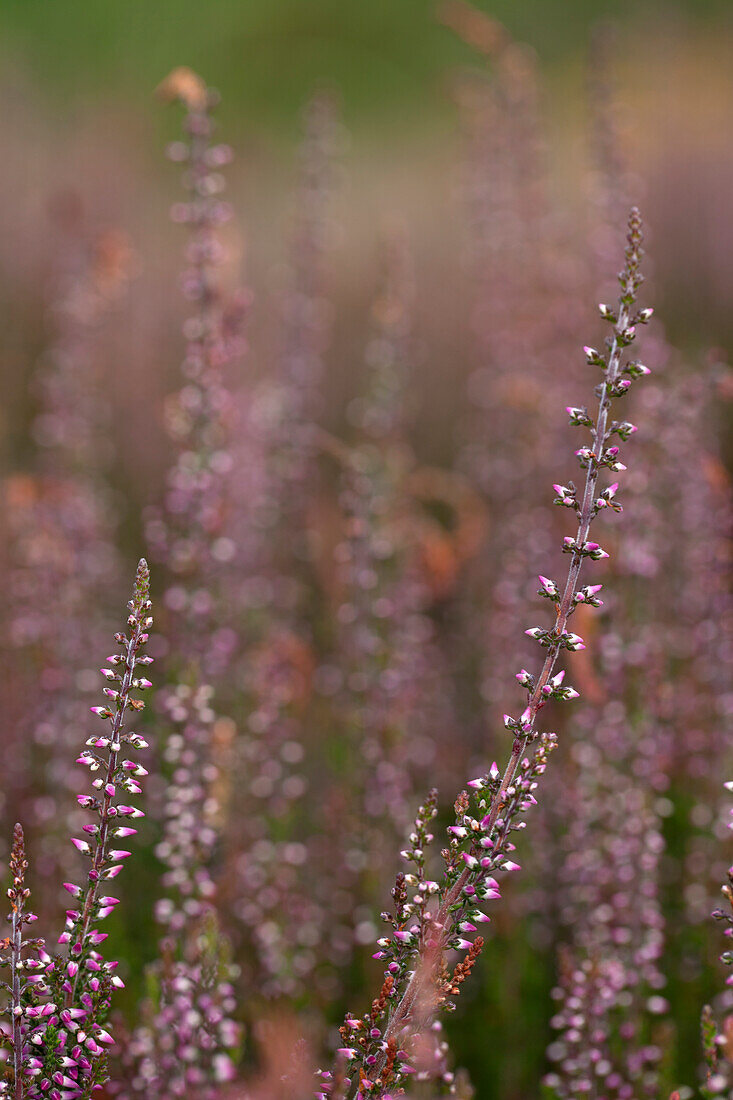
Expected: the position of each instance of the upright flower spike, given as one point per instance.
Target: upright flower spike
(23, 1002)
(190, 537)
(480, 844)
(189, 534)
(60, 1012)
(104, 755)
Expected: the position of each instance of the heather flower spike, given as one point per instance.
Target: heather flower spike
(480, 843)
(186, 1031)
(21, 989)
(117, 772)
(60, 1009)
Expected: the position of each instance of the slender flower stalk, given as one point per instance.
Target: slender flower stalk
(103, 754)
(193, 994)
(190, 535)
(20, 988)
(59, 1013)
(18, 895)
(499, 800)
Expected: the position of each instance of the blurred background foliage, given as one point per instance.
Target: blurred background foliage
(387, 57)
(67, 64)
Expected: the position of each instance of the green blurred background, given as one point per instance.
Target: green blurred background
(68, 63)
(387, 57)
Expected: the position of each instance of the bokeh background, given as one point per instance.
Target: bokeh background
(81, 138)
(79, 114)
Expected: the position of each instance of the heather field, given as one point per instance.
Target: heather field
(365, 681)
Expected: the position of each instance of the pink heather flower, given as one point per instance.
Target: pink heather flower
(464, 887)
(549, 585)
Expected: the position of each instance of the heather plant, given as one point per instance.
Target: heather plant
(380, 1048)
(17, 945)
(187, 1033)
(59, 1009)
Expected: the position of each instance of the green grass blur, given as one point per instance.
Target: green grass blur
(388, 58)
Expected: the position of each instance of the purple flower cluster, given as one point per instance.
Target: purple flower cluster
(59, 1010)
(193, 995)
(190, 536)
(20, 987)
